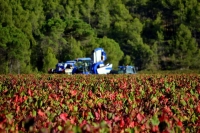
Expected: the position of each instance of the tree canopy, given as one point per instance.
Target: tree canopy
(153, 35)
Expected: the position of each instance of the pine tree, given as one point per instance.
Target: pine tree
(49, 60)
(113, 51)
(184, 47)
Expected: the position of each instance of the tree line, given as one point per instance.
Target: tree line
(150, 34)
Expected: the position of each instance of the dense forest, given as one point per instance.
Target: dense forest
(150, 34)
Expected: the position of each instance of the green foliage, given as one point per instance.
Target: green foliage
(86, 9)
(155, 120)
(152, 34)
(73, 50)
(154, 61)
(142, 54)
(118, 11)
(112, 49)
(5, 13)
(103, 17)
(15, 50)
(91, 45)
(126, 60)
(193, 14)
(53, 35)
(49, 60)
(184, 47)
(78, 29)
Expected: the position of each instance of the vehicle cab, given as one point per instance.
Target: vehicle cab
(126, 70)
(83, 65)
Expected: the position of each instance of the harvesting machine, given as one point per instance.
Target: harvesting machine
(94, 65)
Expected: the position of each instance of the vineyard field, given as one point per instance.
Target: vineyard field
(58, 103)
